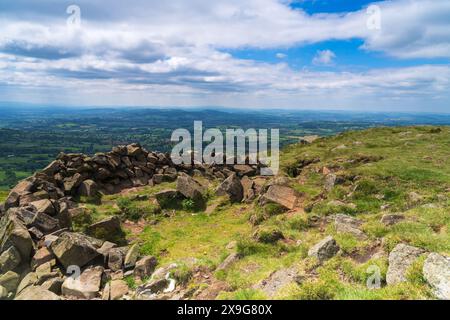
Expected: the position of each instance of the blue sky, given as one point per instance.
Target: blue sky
(298, 54)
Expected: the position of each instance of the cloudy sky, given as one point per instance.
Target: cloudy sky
(332, 54)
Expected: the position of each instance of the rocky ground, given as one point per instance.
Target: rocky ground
(363, 215)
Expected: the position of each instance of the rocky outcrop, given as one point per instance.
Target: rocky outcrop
(400, 259)
(231, 187)
(282, 195)
(325, 249)
(436, 270)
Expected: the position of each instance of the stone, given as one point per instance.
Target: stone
(436, 271)
(284, 196)
(88, 188)
(106, 294)
(391, 219)
(41, 256)
(330, 181)
(244, 170)
(44, 206)
(347, 224)
(9, 260)
(231, 187)
(54, 285)
(27, 281)
(106, 247)
(23, 187)
(278, 280)
(14, 233)
(86, 286)
(74, 249)
(268, 235)
(134, 150)
(145, 267)
(231, 259)
(72, 182)
(400, 259)
(106, 229)
(414, 197)
(308, 139)
(166, 197)
(118, 289)
(325, 249)
(44, 223)
(131, 257)
(37, 293)
(153, 287)
(190, 188)
(3, 293)
(116, 257)
(248, 189)
(10, 281)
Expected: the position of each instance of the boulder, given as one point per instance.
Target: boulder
(14, 233)
(231, 187)
(231, 259)
(73, 182)
(248, 189)
(54, 285)
(190, 188)
(347, 224)
(134, 150)
(244, 170)
(37, 293)
(88, 188)
(116, 257)
(10, 281)
(278, 280)
(24, 186)
(325, 249)
(145, 267)
(3, 293)
(284, 196)
(44, 206)
(74, 249)
(153, 287)
(29, 280)
(330, 181)
(436, 271)
(118, 289)
(106, 229)
(41, 256)
(86, 286)
(131, 257)
(9, 259)
(400, 259)
(391, 219)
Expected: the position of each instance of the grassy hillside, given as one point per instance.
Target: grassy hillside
(378, 171)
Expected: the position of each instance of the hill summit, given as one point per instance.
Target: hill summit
(361, 215)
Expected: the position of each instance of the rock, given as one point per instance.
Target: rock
(10, 281)
(29, 280)
(232, 187)
(244, 170)
(116, 257)
(86, 286)
(166, 197)
(41, 256)
(145, 267)
(347, 224)
(44, 206)
(284, 196)
(9, 260)
(400, 259)
(325, 249)
(106, 247)
(231, 259)
(3, 293)
(37, 293)
(106, 229)
(44, 223)
(72, 182)
(248, 189)
(14, 233)
(308, 139)
(131, 257)
(88, 188)
(118, 288)
(268, 235)
(106, 294)
(436, 270)
(74, 249)
(54, 285)
(277, 280)
(391, 219)
(24, 186)
(415, 197)
(190, 188)
(330, 181)
(134, 150)
(153, 287)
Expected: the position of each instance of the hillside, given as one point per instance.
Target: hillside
(345, 209)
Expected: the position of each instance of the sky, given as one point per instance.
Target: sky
(298, 54)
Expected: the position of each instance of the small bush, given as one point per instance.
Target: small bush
(182, 274)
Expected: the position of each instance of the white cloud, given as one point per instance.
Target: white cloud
(169, 52)
(324, 57)
(280, 55)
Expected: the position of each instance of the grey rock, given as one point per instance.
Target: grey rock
(232, 187)
(325, 249)
(400, 259)
(436, 271)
